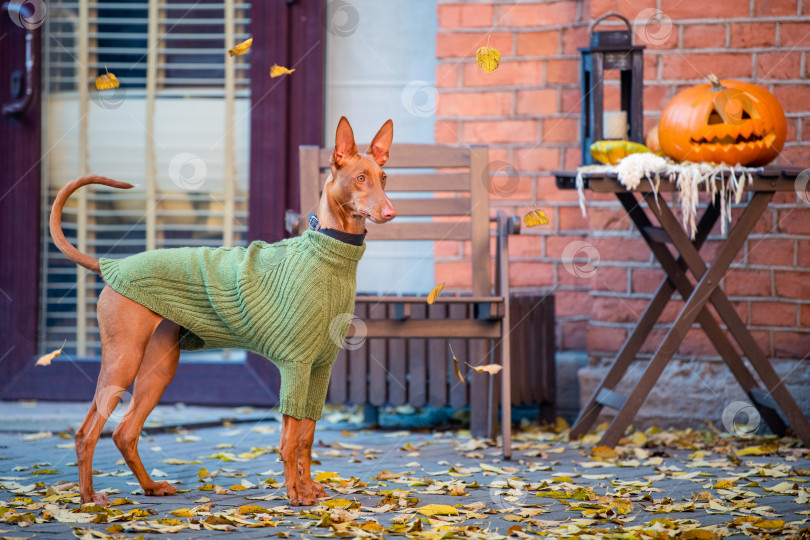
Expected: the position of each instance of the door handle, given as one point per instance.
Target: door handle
(19, 106)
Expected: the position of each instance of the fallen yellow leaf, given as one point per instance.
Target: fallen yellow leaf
(698, 534)
(437, 510)
(45, 360)
(183, 512)
(336, 503)
(604, 452)
(772, 524)
(535, 218)
(488, 59)
(242, 48)
(434, 294)
(278, 71)
(251, 509)
(326, 476)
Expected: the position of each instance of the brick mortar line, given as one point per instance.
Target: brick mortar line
(492, 29)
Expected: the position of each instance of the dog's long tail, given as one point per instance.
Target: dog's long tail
(56, 219)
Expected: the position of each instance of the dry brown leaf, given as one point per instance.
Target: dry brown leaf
(45, 360)
(455, 364)
(604, 452)
(242, 48)
(492, 369)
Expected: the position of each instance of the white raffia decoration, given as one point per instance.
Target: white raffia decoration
(687, 176)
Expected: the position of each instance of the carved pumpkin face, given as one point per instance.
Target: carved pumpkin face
(727, 121)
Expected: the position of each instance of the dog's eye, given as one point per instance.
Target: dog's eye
(361, 178)
(384, 179)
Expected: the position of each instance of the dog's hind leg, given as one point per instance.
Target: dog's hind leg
(157, 370)
(125, 327)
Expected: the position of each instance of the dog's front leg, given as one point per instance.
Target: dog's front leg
(290, 441)
(312, 488)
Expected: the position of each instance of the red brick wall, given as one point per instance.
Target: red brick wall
(527, 111)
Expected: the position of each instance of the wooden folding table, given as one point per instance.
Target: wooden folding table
(775, 396)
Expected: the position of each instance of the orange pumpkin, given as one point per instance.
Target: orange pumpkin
(731, 122)
(651, 140)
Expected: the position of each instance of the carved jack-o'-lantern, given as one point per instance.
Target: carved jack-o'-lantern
(726, 121)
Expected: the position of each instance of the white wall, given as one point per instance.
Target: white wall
(380, 64)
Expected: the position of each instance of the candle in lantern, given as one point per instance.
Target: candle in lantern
(614, 125)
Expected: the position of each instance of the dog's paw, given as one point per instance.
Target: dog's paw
(159, 489)
(96, 498)
(315, 490)
(303, 500)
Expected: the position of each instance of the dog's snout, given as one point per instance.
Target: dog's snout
(389, 213)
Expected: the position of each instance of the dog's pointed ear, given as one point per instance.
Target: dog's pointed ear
(345, 146)
(381, 143)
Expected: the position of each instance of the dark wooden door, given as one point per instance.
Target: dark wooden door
(19, 191)
(285, 113)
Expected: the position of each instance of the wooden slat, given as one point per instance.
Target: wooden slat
(458, 390)
(406, 182)
(474, 328)
(358, 365)
(438, 358)
(609, 185)
(311, 184)
(422, 299)
(417, 372)
(546, 344)
(377, 362)
(397, 372)
(482, 416)
(337, 383)
(419, 231)
(481, 260)
(432, 207)
(414, 155)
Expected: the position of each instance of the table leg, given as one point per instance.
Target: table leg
(737, 328)
(689, 313)
(651, 314)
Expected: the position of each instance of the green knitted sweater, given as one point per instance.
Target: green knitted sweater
(290, 302)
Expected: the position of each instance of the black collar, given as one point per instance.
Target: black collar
(348, 238)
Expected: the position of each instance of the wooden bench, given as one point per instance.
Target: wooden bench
(475, 326)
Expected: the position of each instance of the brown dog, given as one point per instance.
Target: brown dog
(142, 346)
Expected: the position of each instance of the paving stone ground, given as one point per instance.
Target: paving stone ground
(363, 454)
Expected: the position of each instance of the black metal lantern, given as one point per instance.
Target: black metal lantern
(611, 50)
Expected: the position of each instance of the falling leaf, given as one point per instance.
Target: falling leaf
(242, 48)
(434, 294)
(45, 360)
(488, 59)
(492, 369)
(535, 218)
(437, 510)
(107, 81)
(278, 71)
(455, 363)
